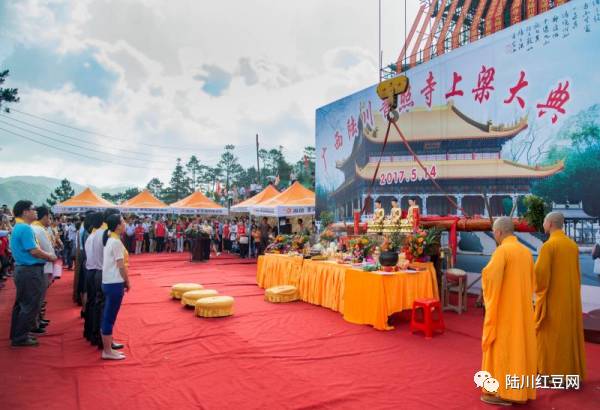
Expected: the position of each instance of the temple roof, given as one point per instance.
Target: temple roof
(445, 122)
(467, 169)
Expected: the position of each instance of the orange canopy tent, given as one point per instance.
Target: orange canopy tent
(294, 201)
(266, 194)
(145, 202)
(197, 204)
(85, 201)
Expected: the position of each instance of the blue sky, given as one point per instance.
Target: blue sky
(51, 71)
(178, 80)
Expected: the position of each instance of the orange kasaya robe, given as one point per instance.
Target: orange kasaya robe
(558, 316)
(508, 341)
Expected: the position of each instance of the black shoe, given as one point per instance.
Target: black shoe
(45, 321)
(29, 342)
(81, 314)
(117, 346)
(38, 331)
(43, 325)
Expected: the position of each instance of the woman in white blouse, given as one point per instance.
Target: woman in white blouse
(115, 281)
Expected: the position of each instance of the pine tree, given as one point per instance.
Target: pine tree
(179, 186)
(210, 176)
(155, 186)
(63, 192)
(229, 166)
(128, 194)
(194, 169)
(7, 95)
(120, 197)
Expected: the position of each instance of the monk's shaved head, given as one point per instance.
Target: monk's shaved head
(557, 219)
(504, 224)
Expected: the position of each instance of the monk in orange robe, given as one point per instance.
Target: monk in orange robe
(558, 317)
(508, 341)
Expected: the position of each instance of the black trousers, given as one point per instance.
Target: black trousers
(160, 243)
(264, 242)
(146, 245)
(196, 250)
(205, 248)
(68, 254)
(244, 250)
(94, 306)
(29, 281)
(90, 290)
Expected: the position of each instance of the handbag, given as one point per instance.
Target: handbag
(56, 270)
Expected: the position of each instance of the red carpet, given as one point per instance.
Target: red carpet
(266, 356)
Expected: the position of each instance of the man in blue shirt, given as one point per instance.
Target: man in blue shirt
(28, 277)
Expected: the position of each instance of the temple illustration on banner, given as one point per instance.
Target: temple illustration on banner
(462, 154)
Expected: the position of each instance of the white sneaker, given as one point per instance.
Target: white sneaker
(218, 253)
(112, 356)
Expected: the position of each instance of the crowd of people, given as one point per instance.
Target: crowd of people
(96, 246)
(244, 236)
(91, 245)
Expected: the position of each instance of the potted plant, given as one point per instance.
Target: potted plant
(389, 251)
(433, 241)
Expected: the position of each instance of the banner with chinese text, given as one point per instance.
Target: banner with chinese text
(519, 108)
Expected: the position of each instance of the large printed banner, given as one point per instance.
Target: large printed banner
(542, 72)
(520, 105)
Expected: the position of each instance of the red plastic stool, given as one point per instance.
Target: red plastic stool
(429, 324)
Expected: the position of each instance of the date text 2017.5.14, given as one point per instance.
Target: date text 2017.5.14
(407, 175)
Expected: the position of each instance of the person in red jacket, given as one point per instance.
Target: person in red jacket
(160, 232)
(243, 238)
(226, 239)
(139, 237)
(4, 259)
(179, 230)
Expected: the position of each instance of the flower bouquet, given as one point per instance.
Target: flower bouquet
(298, 242)
(362, 248)
(327, 237)
(419, 244)
(281, 244)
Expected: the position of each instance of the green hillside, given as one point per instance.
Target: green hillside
(38, 189)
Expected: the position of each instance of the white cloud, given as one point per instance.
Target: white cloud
(281, 60)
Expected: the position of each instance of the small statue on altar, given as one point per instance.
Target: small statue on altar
(395, 214)
(413, 214)
(376, 225)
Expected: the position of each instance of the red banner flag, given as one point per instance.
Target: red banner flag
(543, 5)
(515, 11)
(531, 9)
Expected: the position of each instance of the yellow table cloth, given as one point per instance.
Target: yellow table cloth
(370, 297)
(276, 270)
(322, 283)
